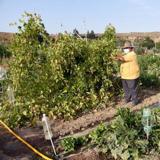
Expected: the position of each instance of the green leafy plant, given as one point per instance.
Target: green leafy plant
(150, 66)
(61, 78)
(97, 134)
(124, 138)
(4, 52)
(70, 144)
(28, 71)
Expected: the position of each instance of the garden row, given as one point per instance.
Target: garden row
(123, 138)
(62, 77)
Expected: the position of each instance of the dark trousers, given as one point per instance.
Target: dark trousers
(130, 88)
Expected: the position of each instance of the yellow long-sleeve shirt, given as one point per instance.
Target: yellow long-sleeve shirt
(130, 68)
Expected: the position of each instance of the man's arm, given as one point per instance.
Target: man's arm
(126, 58)
(119, 57)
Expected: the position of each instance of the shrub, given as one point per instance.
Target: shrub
(150, 66)
(4, 52)
(62, 79)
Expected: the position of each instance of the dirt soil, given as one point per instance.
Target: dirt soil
(90, 120)
(12, 149)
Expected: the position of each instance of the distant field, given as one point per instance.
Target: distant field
(5, 37)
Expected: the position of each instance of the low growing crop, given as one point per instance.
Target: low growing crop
(150, 67)
(124, 137)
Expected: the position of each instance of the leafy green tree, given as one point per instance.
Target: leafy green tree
(4, 52)
(75, 33)
(138, 42)
(148, 43)
(157, 45)
(91, 35)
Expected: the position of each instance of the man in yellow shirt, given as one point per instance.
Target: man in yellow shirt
(130, 72)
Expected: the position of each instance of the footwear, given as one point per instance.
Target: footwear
(127, 101)
(135, 103)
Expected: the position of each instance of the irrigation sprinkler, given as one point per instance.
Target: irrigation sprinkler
(147, 121)
(48, 132)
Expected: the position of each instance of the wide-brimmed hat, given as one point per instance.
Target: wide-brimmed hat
(128, 44)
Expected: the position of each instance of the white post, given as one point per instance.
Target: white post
(49, 132)
(10, 95)
(51, 139)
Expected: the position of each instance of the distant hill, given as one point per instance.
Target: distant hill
(6, 37)
(140, 35)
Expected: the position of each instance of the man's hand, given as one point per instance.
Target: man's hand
(118, 57)
(114, 58)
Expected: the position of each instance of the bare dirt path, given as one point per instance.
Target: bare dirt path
(90, 121)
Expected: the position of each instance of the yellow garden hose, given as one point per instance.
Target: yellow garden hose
(24, 142)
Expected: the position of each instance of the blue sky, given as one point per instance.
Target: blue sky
(125, 15)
